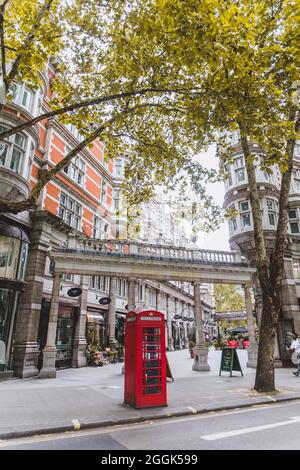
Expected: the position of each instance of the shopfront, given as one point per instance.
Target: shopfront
(95, 326)
(66, 321)
(14, 244)
(120, 328)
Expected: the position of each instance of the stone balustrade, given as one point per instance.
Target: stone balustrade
(161, 252)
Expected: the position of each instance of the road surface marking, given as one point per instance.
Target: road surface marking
(193, 410)
(76, 424)
(117, 428)
(238, 432)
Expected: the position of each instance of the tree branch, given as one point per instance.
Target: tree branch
(93, 102)
(3, 60)
(281, 232)
(15, 207)
(261, 254)
(28, 41)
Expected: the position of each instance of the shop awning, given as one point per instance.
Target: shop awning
(12, 231)
(95, 317)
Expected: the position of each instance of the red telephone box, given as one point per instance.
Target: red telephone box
(145, 359)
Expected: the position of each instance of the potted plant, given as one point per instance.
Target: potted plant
(191, 346)
(218, 344)
(120, 353)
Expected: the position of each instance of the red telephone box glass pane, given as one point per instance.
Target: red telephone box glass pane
(151, 354)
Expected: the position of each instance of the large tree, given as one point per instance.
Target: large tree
(247, 54)
(129, 107)
(233, 65)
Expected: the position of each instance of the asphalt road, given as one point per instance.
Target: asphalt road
(275, 426)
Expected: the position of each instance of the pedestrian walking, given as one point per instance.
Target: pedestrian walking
(295, 348)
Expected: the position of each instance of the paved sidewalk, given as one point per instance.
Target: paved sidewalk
(94, 396)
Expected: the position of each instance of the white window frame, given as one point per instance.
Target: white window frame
(244, 213)
(75, 170)
(103, 192)
(118, 167)
(70, 211)
(12, 147)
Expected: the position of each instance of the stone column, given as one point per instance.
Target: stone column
(48, 370)
(200, 351)
(169, 325)
(26, 348)
(131, 294)
(252, 350)
(79, 349)
(158, 300)
(147, 296)
(186, 340)
(112, 312)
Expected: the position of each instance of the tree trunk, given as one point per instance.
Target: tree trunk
(269, 270)
(265, 377)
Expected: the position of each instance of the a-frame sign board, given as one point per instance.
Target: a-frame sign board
(230, 361)
(169, 372)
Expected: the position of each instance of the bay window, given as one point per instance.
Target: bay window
(245, 214)
(294, 221)
(12, 151)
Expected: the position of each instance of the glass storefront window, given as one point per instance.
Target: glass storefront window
(8, 305)
(9, 257)
(23, 261)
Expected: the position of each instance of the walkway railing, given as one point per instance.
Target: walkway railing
(161, 252)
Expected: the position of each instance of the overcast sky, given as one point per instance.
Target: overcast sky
(217, 240)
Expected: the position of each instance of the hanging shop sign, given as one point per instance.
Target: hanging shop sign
(105, 301)
(74, 292)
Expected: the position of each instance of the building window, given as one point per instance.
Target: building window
(294, 222)
(293, 214)
(271, 211)
(120, 285)
(296, 180)
(118, 167)
(228, 173)
(141, 291)
(125, 288)
(103, 192)
(96, 227)
(116, 199)
(12, 151)
(92, 282)
(239, 169)
(68, 277)
(239, 162)
(21, 95)
(75, 170)
(103, 283)
(73, 129)
(104, 230)
(294, 227)
(240, 175)
(245, 214)
(296, 269)
(70, 211)
(232, 221)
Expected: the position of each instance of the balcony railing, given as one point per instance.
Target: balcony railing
(151, 251)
